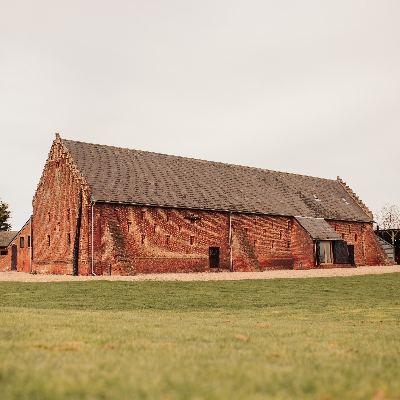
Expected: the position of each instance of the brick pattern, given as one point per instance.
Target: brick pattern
(55, 211)
(367, 250)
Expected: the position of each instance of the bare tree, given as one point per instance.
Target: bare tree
(388, 217)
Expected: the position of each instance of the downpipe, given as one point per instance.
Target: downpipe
(92, 233)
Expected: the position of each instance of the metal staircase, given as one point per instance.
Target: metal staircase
(389, 248)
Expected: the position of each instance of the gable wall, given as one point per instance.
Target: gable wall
(55, 212)
(302, 247)
(23, 254)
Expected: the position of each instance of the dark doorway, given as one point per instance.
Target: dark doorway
(214, 257)
(350, 248)
(13, 257)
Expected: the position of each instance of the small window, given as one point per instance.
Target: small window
(288, 224)
(342, 235)
(255, 243)
(349, 229)
(272, 244)
(48, 214)
(129, 226)
(143, 238)
(179, 228)
(29, 241)
(272, 224)
(68, 214)
(288, 245)
(48, 240)
(280, 235)
(155, 228)
(167, 217)
(355, 237)
(3, 252)
(68, 238)
(167, 239)
(142, 215)
(21, 242)
(191, 240)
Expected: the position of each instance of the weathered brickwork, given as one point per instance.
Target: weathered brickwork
(303, 247)
(55, 212)
(367, 250)
(22, 243)
(127, 239)
(134, 239)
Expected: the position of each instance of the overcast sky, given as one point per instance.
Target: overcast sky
(309, 87)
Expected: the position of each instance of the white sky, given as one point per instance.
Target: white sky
(309, 87)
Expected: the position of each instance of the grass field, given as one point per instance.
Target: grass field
(320, 338)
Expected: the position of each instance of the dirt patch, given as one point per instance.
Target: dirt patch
(204, 276)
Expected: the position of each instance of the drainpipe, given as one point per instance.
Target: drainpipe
(230, 243)
(31, 245)
(93, 273)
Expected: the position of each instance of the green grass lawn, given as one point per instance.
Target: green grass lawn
(320, 338)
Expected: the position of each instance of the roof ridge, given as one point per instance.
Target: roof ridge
(197, 159)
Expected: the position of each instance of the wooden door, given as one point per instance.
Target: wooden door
(214, 257)
(13, 257)
(350, 248)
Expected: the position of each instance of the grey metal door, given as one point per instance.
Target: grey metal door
(13, 258)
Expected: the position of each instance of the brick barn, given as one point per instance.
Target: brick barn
(101, 209)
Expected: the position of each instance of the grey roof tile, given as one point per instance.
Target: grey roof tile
(318, 228)
(6, 237)
(139, 177)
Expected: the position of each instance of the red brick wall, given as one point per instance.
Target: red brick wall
(136, 239)
(367, 250)
(55, 212)
(302, 247)
(5, 262)
(23, 253)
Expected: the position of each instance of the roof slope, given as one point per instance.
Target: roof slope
(139, 177)
(318, 228)
(6, 237)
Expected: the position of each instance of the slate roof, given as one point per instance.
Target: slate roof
(139, 177)
(318, 228)
(6, 237)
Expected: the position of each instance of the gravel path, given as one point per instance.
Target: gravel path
(205, 276)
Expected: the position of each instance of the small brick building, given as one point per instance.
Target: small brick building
(16, 250)
(101, 209)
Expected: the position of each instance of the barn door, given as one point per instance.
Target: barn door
(340, 252)
(350, 248)
(214, 257)
(13, 257)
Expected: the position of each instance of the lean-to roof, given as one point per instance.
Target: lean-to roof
(140, 177)
(318, 228)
